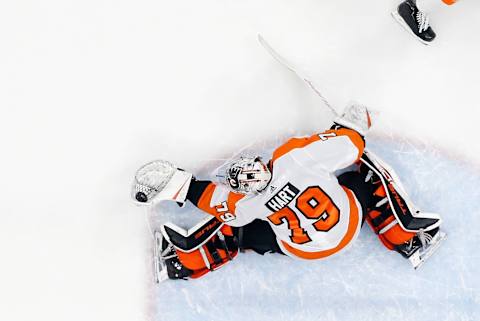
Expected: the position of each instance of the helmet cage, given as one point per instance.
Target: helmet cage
(247, 175)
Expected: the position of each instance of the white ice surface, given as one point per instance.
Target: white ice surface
(90, 90)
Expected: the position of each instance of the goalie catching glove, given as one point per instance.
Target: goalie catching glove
(160, 180)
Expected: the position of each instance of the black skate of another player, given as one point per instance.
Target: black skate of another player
(414, 21)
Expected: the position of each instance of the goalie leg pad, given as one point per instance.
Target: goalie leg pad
(384, 223)
(381, 210)
(391, 214)
(406, 214)
(220, 249)
(416, 247)
(373, 198)
(204, 248)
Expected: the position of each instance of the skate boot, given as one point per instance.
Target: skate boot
(414, 21)
(418, 249)
(166, 262)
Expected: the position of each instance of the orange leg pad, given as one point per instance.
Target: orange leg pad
(396, 235)
(380, 191)
(193, 261)
(385, 242)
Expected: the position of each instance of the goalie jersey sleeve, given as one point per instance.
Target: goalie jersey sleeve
(329, 151)
(218, 201)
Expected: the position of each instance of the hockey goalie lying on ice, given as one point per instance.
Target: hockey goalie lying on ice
(308, 202)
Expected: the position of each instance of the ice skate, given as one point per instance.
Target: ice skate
(421, 247)
(166, 262)
(414, 21)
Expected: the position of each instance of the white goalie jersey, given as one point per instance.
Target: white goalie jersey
(312, 215)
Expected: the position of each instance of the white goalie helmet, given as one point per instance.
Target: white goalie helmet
(247, 175)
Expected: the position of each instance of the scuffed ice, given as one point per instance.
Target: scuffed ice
(367, 282)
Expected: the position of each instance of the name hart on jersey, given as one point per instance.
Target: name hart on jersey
(282, 198)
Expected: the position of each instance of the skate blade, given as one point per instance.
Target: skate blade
(159, 267)
(420, 257)
(400, 20)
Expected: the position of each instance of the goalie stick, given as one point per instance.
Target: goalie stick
(296, 71)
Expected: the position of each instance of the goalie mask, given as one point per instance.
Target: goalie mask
(247, 175)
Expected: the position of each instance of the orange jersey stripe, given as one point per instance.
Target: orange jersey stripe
(232, 201)
(206, 198)
(351, 231)
(204, 202)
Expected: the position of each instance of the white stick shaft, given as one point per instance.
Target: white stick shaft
(300, 74)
